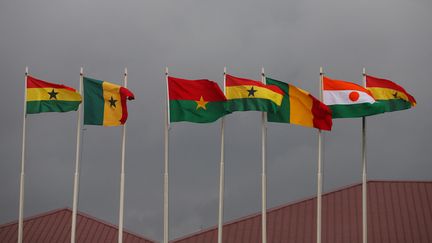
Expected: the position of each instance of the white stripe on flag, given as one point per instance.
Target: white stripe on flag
(342, 97)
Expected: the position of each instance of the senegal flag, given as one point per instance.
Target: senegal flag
(300, 108)
(250, 95)
(348, 100)
(198, 101)
(105, 103)
(48, 97)
(392, 96)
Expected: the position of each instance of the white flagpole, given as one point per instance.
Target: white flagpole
(319, 173)
(122, 174)
(166, 202)
(263, 177)
(21, 195)
(77, 163)
(222, 173)
(364, 177)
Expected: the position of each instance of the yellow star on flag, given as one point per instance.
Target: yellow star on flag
(201, 103)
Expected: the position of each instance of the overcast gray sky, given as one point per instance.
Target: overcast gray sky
(196, 39)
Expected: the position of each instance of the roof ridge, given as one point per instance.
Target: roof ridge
(80, 213)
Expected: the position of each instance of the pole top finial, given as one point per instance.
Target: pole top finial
(225, 70)
(364, 71)
(125, 72)
(321, 71)
(166, 70)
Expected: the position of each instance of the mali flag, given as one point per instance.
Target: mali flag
(105, 103)
(392, 96)
(300, 108)
(198, 101)
(48, 97)
(250, 95)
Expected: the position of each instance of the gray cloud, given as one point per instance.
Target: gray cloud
(196, 39)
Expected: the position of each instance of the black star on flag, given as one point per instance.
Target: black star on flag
(53, 94)
(251, 92)
(112, 102)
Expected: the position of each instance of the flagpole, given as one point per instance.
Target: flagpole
(77, 164)
(21, 195)
(364, 176)
(222, 172)
(319, 173)
(263, 177)
(122, 174)
(166, 202)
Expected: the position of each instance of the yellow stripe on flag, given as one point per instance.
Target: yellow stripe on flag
(300, 107)
(112, 104)
(37, 94)
(387, 94)
(241, 92)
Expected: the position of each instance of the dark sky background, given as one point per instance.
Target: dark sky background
(196, 39)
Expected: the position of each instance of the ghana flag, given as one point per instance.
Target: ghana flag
(198, 101)
(300, 108)
(392, 96)
(43, 96)
(250, 95)
(105, 103)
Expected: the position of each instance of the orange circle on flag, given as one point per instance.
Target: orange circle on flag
(354, 96)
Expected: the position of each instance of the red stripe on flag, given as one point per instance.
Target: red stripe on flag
(184, 89)
(36, 83)
(125, 94)
(372, 82)
(236, 81)
(322, 115)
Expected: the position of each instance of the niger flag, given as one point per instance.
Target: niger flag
(300, 108)
(392, 96)
(250, 95)
(198, 101)
(349, 100)
(105, 103)
(49, 97)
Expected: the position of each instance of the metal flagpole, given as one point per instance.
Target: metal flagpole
(263, 177)
(21, 195)
(364, 177)
(167, 119)
(77, 164)
(122, 174)
(319, 173)
(222, 172)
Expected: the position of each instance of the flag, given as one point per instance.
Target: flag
(300, 108)
(198, 101)
(347, 100)
(250, 95)
(392, 96)
(105, 103)
(49, 97)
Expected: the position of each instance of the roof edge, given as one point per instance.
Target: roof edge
(292, 203)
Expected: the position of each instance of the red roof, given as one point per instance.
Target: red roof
(398, 212)
(55, 226)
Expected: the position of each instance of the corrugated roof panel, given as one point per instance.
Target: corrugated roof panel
(398, 212)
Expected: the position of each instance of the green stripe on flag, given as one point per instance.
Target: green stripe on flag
(356, 110)
(283, 115)
(186, 110)
(252, 104)
(34, 107)
(93, 102)
(395, 104)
